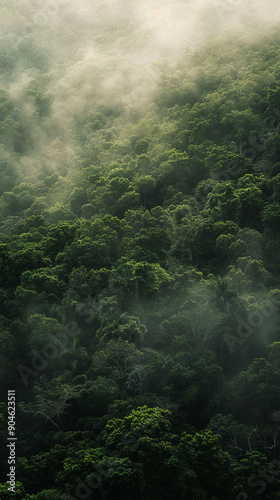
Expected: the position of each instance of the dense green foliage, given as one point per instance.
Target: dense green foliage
(140, 274)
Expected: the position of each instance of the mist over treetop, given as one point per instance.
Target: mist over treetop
(139, 248)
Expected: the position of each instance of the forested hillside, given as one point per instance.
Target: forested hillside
(139, 254)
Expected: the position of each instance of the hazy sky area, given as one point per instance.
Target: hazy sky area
(104, 52)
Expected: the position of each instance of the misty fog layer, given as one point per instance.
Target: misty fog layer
(103, 53)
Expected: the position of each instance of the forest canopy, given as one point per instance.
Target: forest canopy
(139, 249)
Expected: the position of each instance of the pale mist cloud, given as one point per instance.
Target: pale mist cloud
(102, 52)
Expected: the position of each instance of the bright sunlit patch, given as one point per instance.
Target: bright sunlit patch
(159, 13)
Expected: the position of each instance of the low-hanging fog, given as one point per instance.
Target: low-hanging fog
(82, 54)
